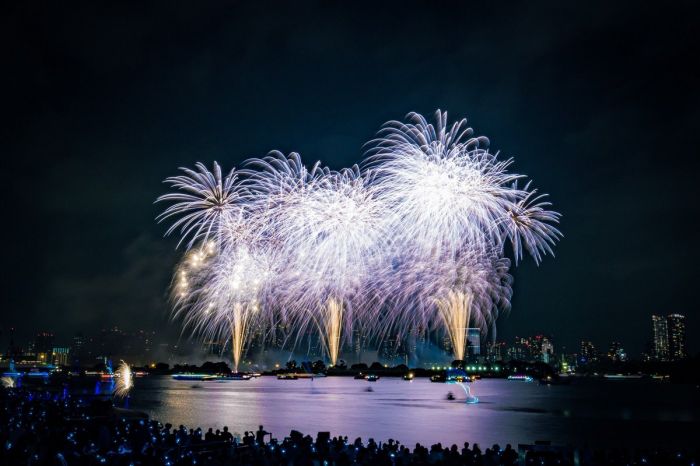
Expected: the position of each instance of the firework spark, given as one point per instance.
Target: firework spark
(205, 204)
(125, 380)
(328, 227)
(416, 239)
(454, 206)
(7, 382)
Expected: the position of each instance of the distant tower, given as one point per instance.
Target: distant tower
(77, 350)
(616, 352)
(43, 346)
(547, 350)
(660, 327)
(588, 353)
(676, 336)
(474, 343)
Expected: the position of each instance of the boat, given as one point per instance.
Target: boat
(359, 376)
(555, 380)
(371, 378)
(287, 377)
(234, 376)
(101, 374)
(520, 377)
(408, 376)
(307, 375)
(192, 376)
(453, 375)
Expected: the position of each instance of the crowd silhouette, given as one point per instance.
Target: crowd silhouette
(44, 428)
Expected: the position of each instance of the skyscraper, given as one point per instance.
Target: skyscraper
(60, 355)
(676, 336)
(78, 350)
(588, 353)
(616, 352)
(660, 327)
(474, 342)
(389, 349)
(546, 350)
(43, 346)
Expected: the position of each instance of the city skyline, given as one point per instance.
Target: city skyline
(417, 349)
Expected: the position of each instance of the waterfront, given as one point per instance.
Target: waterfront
(632, 413)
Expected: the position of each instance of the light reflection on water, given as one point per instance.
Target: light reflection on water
(598, 412)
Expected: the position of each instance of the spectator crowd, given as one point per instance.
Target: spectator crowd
(45, 428)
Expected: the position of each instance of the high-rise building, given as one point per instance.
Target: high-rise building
(13, 351)
(660, 327)
(359, 343)
(43, 346)
(676, 336)
(446, 343)
(587, 353)
(495, 351)
(474, 342)
(521, 350)
(78, 350)
(669, 337)
(616, 352)
(546, 350)
(535, 348)
(60, 355)
(389, 350)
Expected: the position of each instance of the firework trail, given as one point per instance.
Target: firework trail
(125, 380)
(221, 296)
(7, 382)
(327, 225)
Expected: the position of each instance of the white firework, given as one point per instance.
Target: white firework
(328, 227)
(418, 239)
(453, 206)
(206, 205)
(125, 380)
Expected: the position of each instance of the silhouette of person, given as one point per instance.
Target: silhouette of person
(260, 436)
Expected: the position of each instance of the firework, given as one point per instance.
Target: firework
(7, 382)
(215, 287)
(125, 380)
(328, 227)
(205, 205)
(454, 206)
(417, 239)
(221, 295)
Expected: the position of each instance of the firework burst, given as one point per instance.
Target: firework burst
(327, 225)
(416, 239)
(205, 205)
(454, 206)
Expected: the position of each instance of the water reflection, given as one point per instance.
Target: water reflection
(418, 411)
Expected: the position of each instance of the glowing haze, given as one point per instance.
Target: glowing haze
(416, 240)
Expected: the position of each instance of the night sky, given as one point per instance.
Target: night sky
(597, 102)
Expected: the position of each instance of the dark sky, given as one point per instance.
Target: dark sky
(596, 101)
